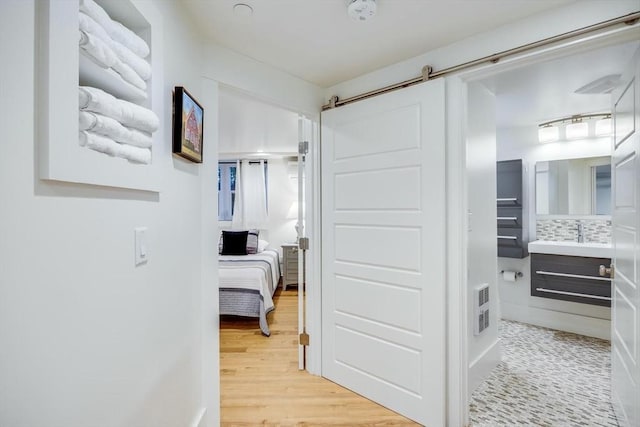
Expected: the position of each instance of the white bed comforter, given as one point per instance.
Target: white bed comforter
(259, 272)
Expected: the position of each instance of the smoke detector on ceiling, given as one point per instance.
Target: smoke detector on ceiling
(362, 10)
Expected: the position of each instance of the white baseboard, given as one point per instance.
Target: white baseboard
(198, 420)
(481, 367)
(582, 325)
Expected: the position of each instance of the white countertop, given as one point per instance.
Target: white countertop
(595, 250)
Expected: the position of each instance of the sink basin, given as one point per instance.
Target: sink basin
(596, 250)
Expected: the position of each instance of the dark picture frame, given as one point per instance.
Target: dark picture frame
(188, 125)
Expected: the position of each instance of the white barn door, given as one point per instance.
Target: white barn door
(625, 165)
(383, 250)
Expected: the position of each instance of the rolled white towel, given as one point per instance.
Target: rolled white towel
(97, 50)
(100, 53)
(111, 128)
(139, 65)
(127, 113)
(108, 146)
(116, 30)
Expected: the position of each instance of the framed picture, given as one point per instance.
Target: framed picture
(188, 119)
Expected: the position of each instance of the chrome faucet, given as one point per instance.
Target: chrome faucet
(580, 232)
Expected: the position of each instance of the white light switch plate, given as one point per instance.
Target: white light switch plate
(142, 251)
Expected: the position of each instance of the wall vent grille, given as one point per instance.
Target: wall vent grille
(481, 308)
(483, 321)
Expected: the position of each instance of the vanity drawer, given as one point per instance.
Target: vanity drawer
(570, 278)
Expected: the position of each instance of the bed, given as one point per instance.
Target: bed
(247, 285)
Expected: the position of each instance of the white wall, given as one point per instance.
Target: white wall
(484, 349)
(516, 300)
(283, 191)
(261, 81)
(88, 338)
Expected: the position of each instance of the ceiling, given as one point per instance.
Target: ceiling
(316, 40)
(545, 91)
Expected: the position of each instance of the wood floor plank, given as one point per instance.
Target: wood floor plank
(260, 384)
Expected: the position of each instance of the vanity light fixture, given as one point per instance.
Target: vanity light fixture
(577, 129)
(548, 133)
(603, 126)
(579, 126)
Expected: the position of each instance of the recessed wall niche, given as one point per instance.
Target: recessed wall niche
(61, 69)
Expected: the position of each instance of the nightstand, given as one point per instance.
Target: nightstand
(289, 265)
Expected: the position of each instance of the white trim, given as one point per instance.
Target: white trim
(210, 315)
(314, 258)
(300, 232)
(482, 366)
(456, 236)
(198, 420)
(582, 325)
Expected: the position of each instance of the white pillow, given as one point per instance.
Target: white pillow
(262, 245)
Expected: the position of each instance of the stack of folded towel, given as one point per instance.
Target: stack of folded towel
(109, 125)
(115, 127)
(113, 46)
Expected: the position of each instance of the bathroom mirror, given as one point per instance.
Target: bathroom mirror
(574, 186)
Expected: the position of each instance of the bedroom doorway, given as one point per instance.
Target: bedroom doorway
(262, 138)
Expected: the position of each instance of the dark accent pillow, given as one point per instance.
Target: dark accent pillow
(252, 241)
(234, 242)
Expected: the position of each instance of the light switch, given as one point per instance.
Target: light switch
(141, 255)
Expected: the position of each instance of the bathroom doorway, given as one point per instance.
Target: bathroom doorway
(527, 324)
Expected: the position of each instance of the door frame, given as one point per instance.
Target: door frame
(457, 204)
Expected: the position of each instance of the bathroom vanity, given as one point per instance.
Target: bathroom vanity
(571, 271)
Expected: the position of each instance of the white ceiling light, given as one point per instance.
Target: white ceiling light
(577, 130)
(361, 10)
(548, 133)
(603, 127)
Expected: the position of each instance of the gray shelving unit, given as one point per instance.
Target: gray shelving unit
(512, 227)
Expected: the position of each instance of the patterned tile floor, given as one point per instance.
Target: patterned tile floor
(546, 378)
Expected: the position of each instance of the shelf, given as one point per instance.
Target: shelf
(60, 68)
(510, 223)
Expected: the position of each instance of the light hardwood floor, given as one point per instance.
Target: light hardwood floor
(260, 383)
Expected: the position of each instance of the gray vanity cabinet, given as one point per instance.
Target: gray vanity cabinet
(570, 278)
(512, 230)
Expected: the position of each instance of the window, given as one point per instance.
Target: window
(226, 190)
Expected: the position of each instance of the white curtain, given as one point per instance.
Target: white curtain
(250, 207)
